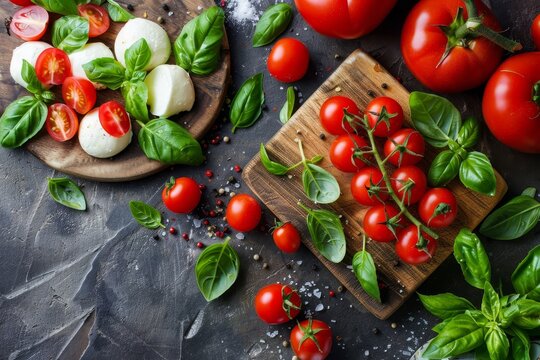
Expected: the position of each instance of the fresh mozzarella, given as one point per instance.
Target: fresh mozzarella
(170, 90)
(96, 141)
(28, 51)
(86, 54)
(155, 36)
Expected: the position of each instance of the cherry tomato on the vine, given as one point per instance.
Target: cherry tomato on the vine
(535, 31)
(288, 60)
(381, 222)
(368, 187)
(409, 184)
(311, 340)
(346, 153)
(385, 115)
(53, 67)
(98, 18)
(79, 94)
(287, 238)
(277, 304)
(181, 195)
(243, 213)
(411, 250)
(30, 22)
(62, 123)
(333, 118)
(405, 147)
(438, 208)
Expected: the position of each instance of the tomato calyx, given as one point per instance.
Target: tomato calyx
(536, 93)
(349, 118)
(422, 243)
(169, 185)
(441, 209)
(402, 149)
(287, 305)
(375, 189)
(392, 223)
(383, 117)
(309, 333)
(406, 188)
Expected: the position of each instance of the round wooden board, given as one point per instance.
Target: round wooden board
(131, 164)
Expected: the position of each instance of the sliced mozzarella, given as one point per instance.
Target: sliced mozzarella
(170, 90)
(86, 54)
(96, 142)
(28, 51)
(155, 36)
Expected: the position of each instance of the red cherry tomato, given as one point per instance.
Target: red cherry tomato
(53, 67)
(311, 340)
(287, 238)
(277, 304)
(332, 115)
(29, 23)
(114, 119)
(409, 184)
(22, 2)
(535, 31)
(288, 61)
(438, 208)
(243, 213)
(412, 251)
(181, 195)
(79, 94)
(368, 187)
(98, 18)
(62, 123)
(386, 114)
(405, 147)
(345, 153)
(380, 223)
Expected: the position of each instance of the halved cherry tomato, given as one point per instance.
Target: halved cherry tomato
(181, 195)
(62, 122)
(438, 208)
(333, 118)
(79, 94)
(277, 304)
(98, 19)
(30, 23)
(386, 114)
(243, 213)
(22, 2)
(405, 147)
(311, 340)
(287, 238)
(380, 222)
(535, 31)
(412, 251)
(346, 153)
(409, 183)
(289, 60)
(114, 119)
(53, 67)
(368, 187)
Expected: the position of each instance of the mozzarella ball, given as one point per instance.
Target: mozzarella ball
(28, 51)
(96, 142)
(155, 36)
(86, 54)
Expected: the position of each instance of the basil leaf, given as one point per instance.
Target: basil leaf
(288, 108)
(198, 47)
(216, 270)
(117, 13)
(530, 191)
(478, 317)
(29, 76)
(136, 96)
(491, 304)
(105, 71)
(477, 174)
(512, 220)
(529, 314)
(497, 343)
(434, 117)
(526, 277)
(440, 326)
(327, 234)
(320, 186)
(469, 134)
(63, 7)
(246, 106)
(167, 142)
(137, 56)
(445, 306)
(145, 215)
(472, 257)
(366, 273)
(272, 167)
(445, 167)
(272, 23)
(65, 192)
(521, 345)
(70, 33)
(21, 121)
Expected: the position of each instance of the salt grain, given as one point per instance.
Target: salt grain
(319, 307)
(242, 11)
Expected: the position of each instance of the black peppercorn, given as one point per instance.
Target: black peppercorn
(166, 7)
(130, 7)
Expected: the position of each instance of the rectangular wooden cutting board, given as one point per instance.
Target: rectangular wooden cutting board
(358, 77)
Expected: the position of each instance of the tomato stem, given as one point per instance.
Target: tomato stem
(536, 93)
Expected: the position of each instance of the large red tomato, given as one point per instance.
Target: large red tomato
(346, 19)
(511, 104)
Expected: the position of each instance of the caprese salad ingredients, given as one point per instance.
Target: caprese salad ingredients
(311, 340)
(279, 169)
(79, 94)
(273, 22)
(535, 32)
(28, 51)
(384, 115)
(366, 272)
(288, 60)
(333, 115)
(438, 208)
(287, 237)
(243, 213)
(404, 147)
(62, 123)
(181, 195)
(348, 153)
(287, 110)
(86, 54)
(368, 187)
(277, 304)
(98, 19)
(53, 67)
(146, 215)
(70, 33)
(114, 119)
(246, 106)
(29, 23)
(66, 192)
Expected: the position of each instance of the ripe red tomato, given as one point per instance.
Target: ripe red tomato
(410, 250)
(243, 213)
(311, 340)
(405, 147)
(368, 187)
(535, 31)
(287, 238)
(345, 153)
(380, 224)
(385, 115)
(333, 117)
(181, 195)
(22, 2)
(98, 18)
(277, 304)
(344, 18)
(409, 184)
(29, 23)
(438, 208)
(53, 67)
(79, 94)
(114, 119)
(511, 103)
(423, 44)
(62, 123)
(289, 60)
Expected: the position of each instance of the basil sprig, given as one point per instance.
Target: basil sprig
(66, 192)
(288, 108)
(273, 22)
(366, 272)
(106, 71)
(70, 33)
(472, 258)
(526, 277)
(145, 215)
(246, 107)
(117, 13)
(62, 7)
(276, 168)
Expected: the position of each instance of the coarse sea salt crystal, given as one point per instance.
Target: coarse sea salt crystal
(197, 223)
(317, 293)
(240, 236)
(319, 307)
(272, 334)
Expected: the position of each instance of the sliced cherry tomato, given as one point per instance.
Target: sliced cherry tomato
(405, 147)
(29, 23)
(277, 304)
(409, 183)
(289, 60)
(381, 223)
(386, 114)
(62, 122)
(98, 18)
(311, 340)
(333, 117)
(243, 213)
(346, 153)
(22, 2)
(535, 31)
(287, 238)
(181, 195)
(438, 208)
(114, 119)
(79, 94)
(53, 67)
(368, 187)
(411, 250)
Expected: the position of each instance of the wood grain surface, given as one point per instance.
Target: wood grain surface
(356, 77)
(131, 164)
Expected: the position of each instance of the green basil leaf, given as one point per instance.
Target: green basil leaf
(440, 326)
(63, 7)
(507, 314)
(478, 317)
(136, 96)
(469, 134)
(366, 273)
(491, 304)
(273, 22)
(320, 186)
(137, 56)
(530, 191)
(521, 344)
(272, 167)
(21, 121)
(434, 117)
(481, 353)
(472, 258)
(117, 13)
(29, 76)
(445, 167)
(327, 234)
(216, 270)
(445, 306)
(70, 33)
(198, 47)
(477, 174)
(526, 277)
(146, 215)
(105, 71)
(167, 142)
(288, 108)
(529, 314)
(66, 192)
(497, 343)
(246, 106)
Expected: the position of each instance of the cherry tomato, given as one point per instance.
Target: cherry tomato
(277, 304)
(114, 119)
(409, 184)
(438, 208)
(412, 251)
(243, 213)
(385, 115)
(333, 118)
(368, 187)
(53, 67)
(181, 195)
(311, 340)
(22, 2)
(287, 238)
(288, 60)
(405, 147)
(62, 123)
(535, 31)
(511, 103)
(380, 222)
(346, 153)
(29, 23)
(98, 18)
(79, 94)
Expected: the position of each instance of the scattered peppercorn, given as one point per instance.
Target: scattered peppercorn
(314, 267)
(232, 194)
(227, 139)
(206, 222)
(172, 231)
(209, 174)
(130, 7)
(256, 257)
(220, 234)
(212, 214)
(265, 266)
(395, 263)
(160, 20)
(237, 168)
(202, 187)
(165, 7)
(226, 230)
(393, 325)
(288, 266)
(219, 202)
(285, 343)
(332, 293)
(341, 288)
(156, 237)
(375, 331)
(371, 93)
(200, 245)
(338, 338)
(322, 136)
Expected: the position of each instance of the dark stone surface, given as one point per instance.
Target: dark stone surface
(96, 285)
